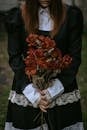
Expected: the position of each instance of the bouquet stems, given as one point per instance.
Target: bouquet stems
(42, 121)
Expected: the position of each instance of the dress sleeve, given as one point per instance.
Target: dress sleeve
(75, 28)
(14, 28)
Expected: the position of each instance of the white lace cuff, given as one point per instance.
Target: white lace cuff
(56, 90)
(32, 94)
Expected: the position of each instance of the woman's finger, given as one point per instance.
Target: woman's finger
(43, 108)
(43, 92)
(44, 103)
(43, 97)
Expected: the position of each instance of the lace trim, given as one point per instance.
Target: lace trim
(64, 99)
(9, 126)
(77, 126)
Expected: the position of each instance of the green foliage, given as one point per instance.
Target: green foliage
(82, 80)
(3, 105)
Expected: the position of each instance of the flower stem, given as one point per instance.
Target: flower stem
(42, 121)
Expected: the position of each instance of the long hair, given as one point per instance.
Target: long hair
(30, 15)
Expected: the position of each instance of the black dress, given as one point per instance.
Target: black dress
(65, 113)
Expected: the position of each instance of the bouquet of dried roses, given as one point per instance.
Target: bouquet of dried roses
(44, 60)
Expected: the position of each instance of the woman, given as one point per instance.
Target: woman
(64, 24)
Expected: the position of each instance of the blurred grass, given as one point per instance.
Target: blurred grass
(6, 75)
(3, 106)
(82, 80)
(4, 88)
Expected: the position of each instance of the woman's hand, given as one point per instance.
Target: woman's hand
(44, 103)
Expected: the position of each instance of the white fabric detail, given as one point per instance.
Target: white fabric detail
(8, 126)
(32, 94)
(63, 99)
(56, 90)
(45, 21)
(77, 126)
(19, 99)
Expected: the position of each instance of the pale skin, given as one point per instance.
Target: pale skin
(44, 3)
(44, 103)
